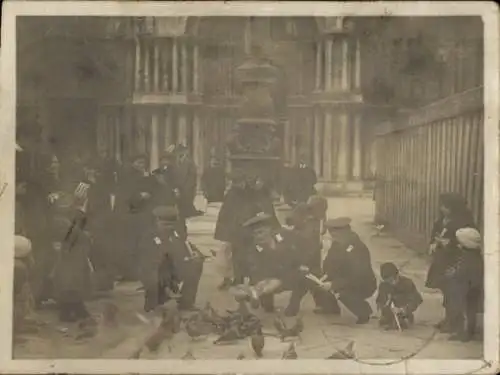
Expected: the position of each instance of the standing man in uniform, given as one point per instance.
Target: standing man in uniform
(274, 261)
(132, 179)
(187, 181)
(304, 179)
(307, 230)
(348, 269)
(169, 262)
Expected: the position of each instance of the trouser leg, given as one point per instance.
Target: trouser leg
(356, 304)
(191, 283)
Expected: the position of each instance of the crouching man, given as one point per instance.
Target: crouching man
(169, 265)
(348, 269)
(273, 262)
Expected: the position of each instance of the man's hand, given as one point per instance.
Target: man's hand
(399, 310)
(327, 285)
(53, 197)
(304, 269)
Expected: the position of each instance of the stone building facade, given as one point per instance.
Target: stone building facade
(138, 85)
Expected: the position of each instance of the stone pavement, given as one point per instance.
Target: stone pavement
(322, 333)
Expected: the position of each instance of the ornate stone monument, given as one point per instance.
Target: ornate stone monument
(254, 146)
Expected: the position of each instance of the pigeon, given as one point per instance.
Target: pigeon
(280, 326)
(290, 353)
(164, 331)
(346, 353)
(240, 357)
(136, 354)
(257, 340)
(109, 315)
(194, 329)
(229, 336)
(295, 331)
(189, 355)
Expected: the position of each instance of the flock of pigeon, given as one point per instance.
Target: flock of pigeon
(230, 328)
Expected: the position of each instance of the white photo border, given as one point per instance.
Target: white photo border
(489, 13)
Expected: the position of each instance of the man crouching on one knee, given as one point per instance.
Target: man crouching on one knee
(273, 260)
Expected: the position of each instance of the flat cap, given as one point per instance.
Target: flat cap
(261, 219)
(166, 212)
(22, 247)
(338, 223)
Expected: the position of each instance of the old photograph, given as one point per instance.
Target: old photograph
(250, 187)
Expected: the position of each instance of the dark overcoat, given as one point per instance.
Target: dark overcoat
(72, 272)
(213, 183)
(348, 266)
(447, 255)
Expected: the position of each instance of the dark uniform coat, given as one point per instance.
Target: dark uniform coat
(164, 262)
(130, 182)
(445, 255)
(303, 179)
(240, 205)
(348, 266)
(213, 183)
(281, 263)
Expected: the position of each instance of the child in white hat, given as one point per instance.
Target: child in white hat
(465, 284)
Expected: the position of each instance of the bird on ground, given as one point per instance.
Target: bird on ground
(240, 357)
(136, 354)
(189, 355)
(290, 353)
(257, 340)
(110, 315)
(194, 328)
(280, 325)
(294, 331)
(346, 353)
(163, 332)
(230, 335)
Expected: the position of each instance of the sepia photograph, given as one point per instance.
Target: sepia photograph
(249, 184)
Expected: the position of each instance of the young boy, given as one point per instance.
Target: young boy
(464, 284)
(397, 298)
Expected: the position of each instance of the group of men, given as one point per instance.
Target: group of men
(85, 227)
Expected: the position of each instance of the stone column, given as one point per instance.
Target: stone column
(147, 88)
(357, 151)
(197, 145)
(182, 127)
(328, 63)
(164, 60)
(343, 148)
(328, 146)
(118, 135)
(345, 64)
(156, 66)
(319, 65)
(184, 67)
(357, 71)
(154, 155)
(138, 61)
(168, 128)
(175, 72)
(318, 123)
(287, 140)
(196, 69)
